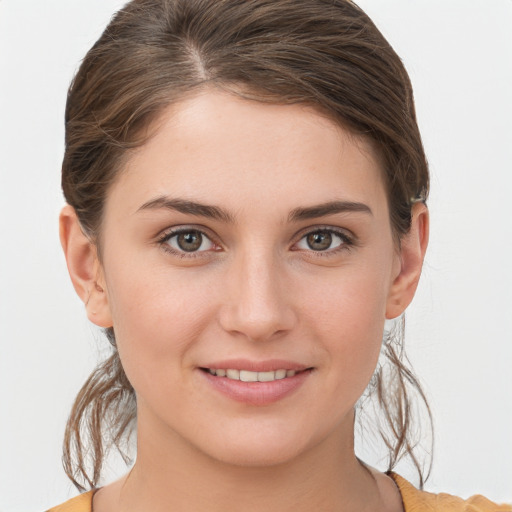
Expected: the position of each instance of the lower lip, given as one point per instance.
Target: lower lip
(257, 393)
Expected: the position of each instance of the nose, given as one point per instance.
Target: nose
(257, 303)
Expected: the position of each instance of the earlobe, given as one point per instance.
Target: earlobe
(412, 253)
(84, 268)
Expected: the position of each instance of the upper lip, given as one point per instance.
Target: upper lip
(270, 365)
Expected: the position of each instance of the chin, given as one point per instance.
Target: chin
(259, 446)
(257, 456)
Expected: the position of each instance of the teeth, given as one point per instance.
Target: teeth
(266, 376)
(233, 374)
(247, 376)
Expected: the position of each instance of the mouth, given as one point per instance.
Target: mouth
(251, 376)
(255, 383)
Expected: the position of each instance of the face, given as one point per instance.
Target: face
(248, 241)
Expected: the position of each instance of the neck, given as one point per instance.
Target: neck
(173, 475)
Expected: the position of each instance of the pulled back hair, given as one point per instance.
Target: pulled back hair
(323, 53)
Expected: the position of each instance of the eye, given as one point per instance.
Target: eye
(323, 240)
(187, 241)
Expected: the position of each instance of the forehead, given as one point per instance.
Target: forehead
(216, 146)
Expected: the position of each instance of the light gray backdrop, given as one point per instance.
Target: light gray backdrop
(459, 55)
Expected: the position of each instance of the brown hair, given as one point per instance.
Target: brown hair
(324, 53)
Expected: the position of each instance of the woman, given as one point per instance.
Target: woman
(246, 191)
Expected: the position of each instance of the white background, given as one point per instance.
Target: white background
(459, 55)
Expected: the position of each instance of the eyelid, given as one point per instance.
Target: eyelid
(343, 232)
(348, 238)
(164, 236)
(180, 228)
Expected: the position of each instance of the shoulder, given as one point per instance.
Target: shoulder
(81, 503)
(422, 501)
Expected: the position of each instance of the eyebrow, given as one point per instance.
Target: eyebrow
(330, 208)
(188, 207)
(217, 213)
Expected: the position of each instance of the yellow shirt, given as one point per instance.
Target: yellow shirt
(422, 501)
(413, 500)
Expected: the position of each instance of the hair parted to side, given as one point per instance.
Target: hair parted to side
(324, 53)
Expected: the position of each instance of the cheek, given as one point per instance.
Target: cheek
(156, 317)
(348, 318)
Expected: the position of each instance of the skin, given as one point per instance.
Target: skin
(254, 290)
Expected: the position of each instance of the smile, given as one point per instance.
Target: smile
(249, 376)
(263, 384)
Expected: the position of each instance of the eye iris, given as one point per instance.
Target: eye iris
(189, 241)
(320, 240)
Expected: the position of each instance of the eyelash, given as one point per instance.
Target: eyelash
(347, 242)
(164, 239)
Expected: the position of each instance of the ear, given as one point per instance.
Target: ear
(412, 252)
(84, 268)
